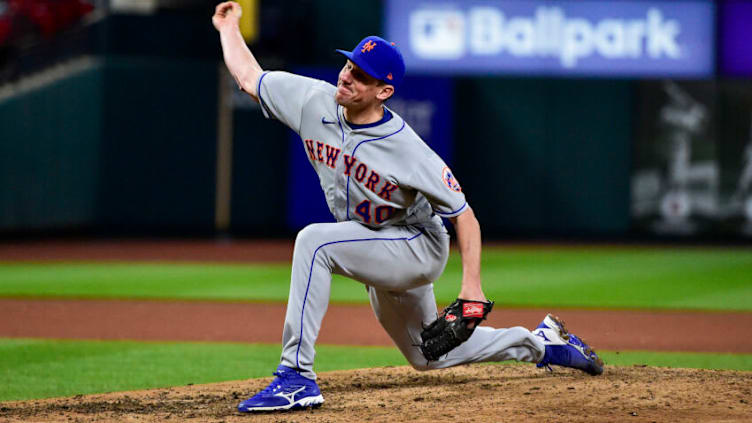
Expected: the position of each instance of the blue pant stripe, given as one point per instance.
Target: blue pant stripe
(310, 275)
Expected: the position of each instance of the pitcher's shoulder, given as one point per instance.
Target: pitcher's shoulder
(280, 77)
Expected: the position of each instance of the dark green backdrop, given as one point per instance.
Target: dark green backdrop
(50, 154)
(129, 145)
(540, 156)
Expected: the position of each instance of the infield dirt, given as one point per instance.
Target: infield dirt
(476, 393)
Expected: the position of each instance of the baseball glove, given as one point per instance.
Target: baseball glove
(453, 327)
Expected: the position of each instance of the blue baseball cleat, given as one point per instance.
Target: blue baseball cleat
(566, 349)
(288, 391)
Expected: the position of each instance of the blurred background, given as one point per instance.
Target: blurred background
(566, 120)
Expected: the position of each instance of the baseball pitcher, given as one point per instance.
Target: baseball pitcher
(388, 192)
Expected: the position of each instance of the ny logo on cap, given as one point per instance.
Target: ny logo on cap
(368, 46)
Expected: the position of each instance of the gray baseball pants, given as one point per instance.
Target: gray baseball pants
(398, 265)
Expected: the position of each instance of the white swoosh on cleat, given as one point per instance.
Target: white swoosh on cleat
(289, 397)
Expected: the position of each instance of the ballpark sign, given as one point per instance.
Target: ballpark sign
(607, 38)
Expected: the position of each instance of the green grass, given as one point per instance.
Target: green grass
(609, 277)
(146, 280)
(670, 278)
(32, 369)
(679, 360)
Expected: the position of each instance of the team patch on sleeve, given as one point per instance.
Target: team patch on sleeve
(449, 180)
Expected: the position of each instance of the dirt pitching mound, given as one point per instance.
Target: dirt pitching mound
(476, 393)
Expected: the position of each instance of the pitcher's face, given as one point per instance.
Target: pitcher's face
(357, 88)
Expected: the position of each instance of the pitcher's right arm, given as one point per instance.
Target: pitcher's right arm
(238, 58)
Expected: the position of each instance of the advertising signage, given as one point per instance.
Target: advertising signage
(544, 37)
(736, 37)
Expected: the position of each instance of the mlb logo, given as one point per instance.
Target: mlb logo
(437, 34)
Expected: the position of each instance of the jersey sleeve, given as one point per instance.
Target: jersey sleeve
(282, 96)
(433, 178)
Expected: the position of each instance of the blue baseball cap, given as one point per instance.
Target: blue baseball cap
(378, 58)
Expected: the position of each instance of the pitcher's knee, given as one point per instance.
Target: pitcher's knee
(309, 235)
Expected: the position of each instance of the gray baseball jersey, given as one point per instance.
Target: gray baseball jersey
(378, 175)
(386, 188)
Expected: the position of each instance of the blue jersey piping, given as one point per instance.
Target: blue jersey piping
(347, 209)
(384, 119)
(451, 212)
(258, 94)
(340, 128)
